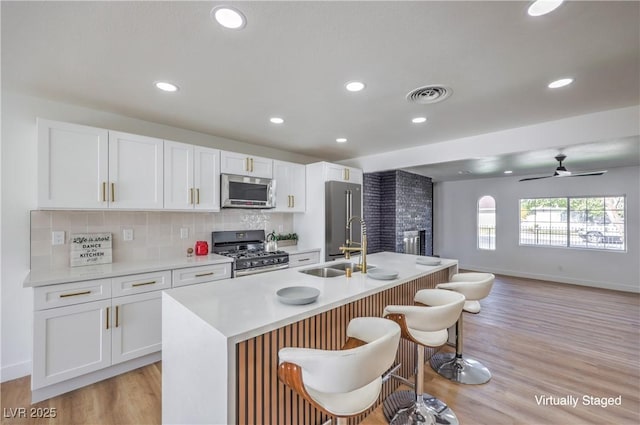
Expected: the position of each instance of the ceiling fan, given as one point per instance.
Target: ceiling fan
(561, 171)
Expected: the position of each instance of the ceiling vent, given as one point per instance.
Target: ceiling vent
(429, 94)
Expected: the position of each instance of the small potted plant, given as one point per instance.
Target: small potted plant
(287, 239)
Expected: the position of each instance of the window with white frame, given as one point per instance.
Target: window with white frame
(591, 222)
(487, 223)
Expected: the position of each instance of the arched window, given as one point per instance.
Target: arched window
(487, 223)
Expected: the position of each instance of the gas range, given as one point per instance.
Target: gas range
(246, 247)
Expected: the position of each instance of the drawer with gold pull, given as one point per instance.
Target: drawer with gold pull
(201, 274)
(51, 296)
(139, 283)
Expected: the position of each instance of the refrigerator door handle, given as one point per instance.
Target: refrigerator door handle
(349, 214)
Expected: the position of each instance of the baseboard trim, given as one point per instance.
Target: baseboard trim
(15, 371)
(93, 377)
(553, 278)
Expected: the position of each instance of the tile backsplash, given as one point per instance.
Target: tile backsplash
(156, 234)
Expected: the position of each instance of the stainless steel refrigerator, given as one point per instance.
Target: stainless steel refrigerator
(342, 201)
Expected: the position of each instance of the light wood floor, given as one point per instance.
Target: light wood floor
(537, 338)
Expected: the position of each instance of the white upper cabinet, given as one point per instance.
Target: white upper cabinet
(72, 165)
(84, 167)
(192, 177)
(206, 178)
(245, 165)
(290, 186)
(336, 172)
(135, 171)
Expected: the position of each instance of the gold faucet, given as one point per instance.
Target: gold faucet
(362, 248)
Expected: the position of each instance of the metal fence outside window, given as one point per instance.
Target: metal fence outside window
(556, 235)
(486, 237)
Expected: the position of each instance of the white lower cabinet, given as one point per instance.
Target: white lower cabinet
(136, 326)
(78, 339)
(90, 330)
(70, 341)
(74, 334)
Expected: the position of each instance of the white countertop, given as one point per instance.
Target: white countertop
(43, 277)
(245, 307)
(294, 249)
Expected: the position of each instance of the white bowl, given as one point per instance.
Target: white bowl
(382, 274)
(297, 295)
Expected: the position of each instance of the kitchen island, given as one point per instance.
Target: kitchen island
(221, 339)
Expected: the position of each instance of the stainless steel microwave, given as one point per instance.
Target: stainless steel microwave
(247, 192)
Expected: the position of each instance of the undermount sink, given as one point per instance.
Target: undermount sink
(354, 267)
(323, 272)
(334, 270)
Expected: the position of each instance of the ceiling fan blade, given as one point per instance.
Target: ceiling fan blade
(588, 173)
(561, 171)
(535, 178)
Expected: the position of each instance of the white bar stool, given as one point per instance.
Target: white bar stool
(426, 326)
(343, 383)
(455, 367)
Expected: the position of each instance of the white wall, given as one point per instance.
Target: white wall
(455, 206)
(19, 177)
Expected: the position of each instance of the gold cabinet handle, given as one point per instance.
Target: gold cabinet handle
(347, 173)
(117, 316)
(204, 274)
(143, 283)
(293, 201)
(303, 259)
(107, 317)
(191, 196)
(246, 164)
(252, 165)
(75, 294)
(113, 192)
(104, 191)
(198, 196)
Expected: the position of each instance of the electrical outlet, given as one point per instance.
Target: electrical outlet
(184, 233)
(57, 238)
(127, 234)
(280, 228)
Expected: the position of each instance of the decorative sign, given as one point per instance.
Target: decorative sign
(90, 248)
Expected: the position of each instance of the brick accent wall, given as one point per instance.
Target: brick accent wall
(394, 202)
(371, 211)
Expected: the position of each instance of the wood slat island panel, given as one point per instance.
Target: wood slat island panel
(262, 398)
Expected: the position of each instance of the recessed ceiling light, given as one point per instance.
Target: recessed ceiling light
(341, 140)
(508, 172)
(560, 83)
(164, 86)
(354, 86)
(276, 120)
(542, 7)
(418, 120)
(229, 17)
